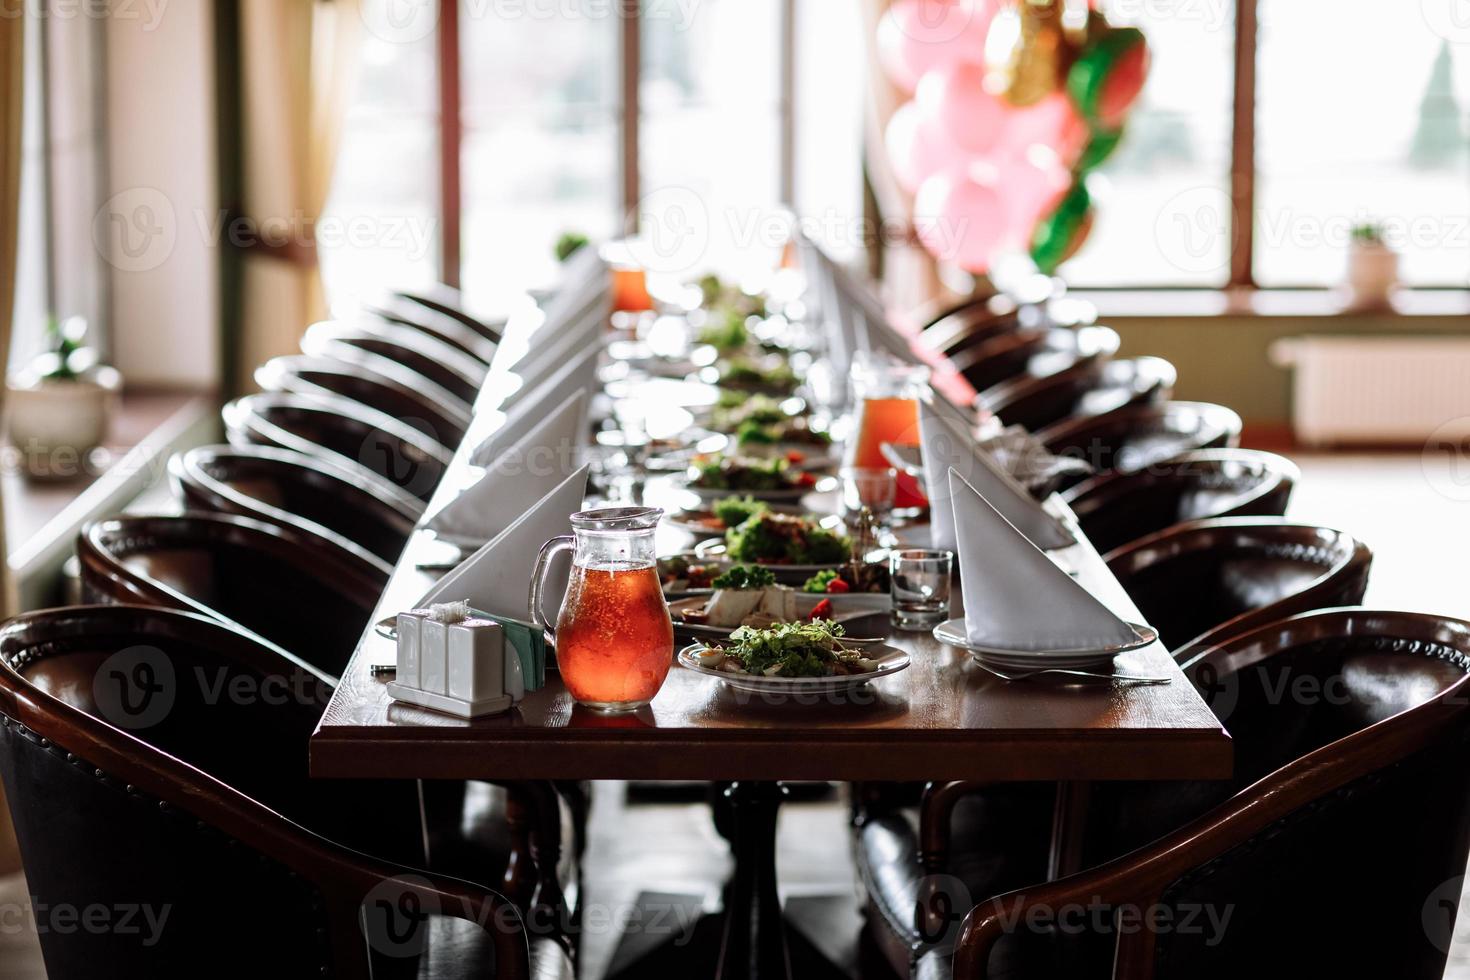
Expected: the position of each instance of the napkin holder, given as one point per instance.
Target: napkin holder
(453, 660)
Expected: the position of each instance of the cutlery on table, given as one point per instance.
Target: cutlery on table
(1022, 675)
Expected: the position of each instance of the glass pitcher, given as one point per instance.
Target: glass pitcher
(614, 639)
(886, 396)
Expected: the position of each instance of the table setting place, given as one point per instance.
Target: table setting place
(783, 521)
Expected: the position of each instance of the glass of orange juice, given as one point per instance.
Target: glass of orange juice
(614, 639)
(887, 403)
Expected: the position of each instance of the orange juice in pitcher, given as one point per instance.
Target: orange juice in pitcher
(887, 411)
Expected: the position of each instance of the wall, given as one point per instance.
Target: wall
(157, 223)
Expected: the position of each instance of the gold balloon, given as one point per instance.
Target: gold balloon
(1032, 45)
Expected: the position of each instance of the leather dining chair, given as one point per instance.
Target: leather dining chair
(1349, 806)
(451, 369)
(1115, 508)
(437, 324)
(345, 432)
(1139, 435)
(995, 359)
(301, 593)
(137, 787)
(289, 488)
(1081, 390)
(970, 323)
(1008, 828)
(443, 298)
(1201, 581)
(390, 388)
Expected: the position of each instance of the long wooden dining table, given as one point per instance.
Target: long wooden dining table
(943, 718)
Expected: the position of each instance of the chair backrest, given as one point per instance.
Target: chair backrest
(973, 322)
(1115, 508)
(301, 593)
(1137, 436)
(443, 298)
(390, 388)
(401, 312)
(1055, 381)
(284, 487)
(451, 369)
(1204, 580)
(343, 431)
(155, 763)
(1003, 356)
(1350, 804)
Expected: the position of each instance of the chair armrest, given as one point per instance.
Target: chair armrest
(933, 915)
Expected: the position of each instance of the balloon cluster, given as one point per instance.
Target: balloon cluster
(1014, 102)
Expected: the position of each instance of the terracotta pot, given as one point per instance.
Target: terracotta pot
(55, 424)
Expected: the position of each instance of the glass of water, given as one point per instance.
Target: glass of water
(920, 583)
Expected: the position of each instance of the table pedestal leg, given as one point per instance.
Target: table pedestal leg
(754, 941)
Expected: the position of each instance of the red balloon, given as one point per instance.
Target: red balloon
(960, 220)
(956, 100)
(919, 36)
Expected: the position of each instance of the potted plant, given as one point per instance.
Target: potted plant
(1372, 270)
(58, 407)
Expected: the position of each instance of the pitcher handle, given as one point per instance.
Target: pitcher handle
(538, 581)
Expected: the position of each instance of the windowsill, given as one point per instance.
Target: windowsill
(43, 516)
(1282, 303)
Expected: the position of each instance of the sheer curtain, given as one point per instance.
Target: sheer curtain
(12, 57)
(298, 67)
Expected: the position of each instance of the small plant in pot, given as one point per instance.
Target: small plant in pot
(1373, 268)
(58, 407)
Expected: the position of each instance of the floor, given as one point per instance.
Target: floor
(1412, 511)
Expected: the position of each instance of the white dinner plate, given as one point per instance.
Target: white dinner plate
(805, 603)
(890, 661)
(789, 495)
(952, 633)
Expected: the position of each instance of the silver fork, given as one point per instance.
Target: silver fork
(1012, 675)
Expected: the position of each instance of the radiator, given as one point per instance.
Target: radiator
(1379, 390)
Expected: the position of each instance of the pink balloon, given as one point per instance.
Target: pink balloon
(919, 36)
(1053, 122)
(915, 149)
(1033, 185)
(955, 99)
(960, 220)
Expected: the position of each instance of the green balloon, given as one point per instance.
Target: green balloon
(1089, 74)
(1100, 146)
(1054, 236)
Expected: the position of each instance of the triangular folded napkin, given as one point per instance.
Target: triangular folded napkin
(529, 468)
(945, 446)
(497, 578)
(572, 384)
(1016, 598)
(551, 347)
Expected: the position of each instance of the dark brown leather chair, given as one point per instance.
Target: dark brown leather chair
(437, 324)
(970, 325)
(1270, 571)
(301, 593)
(443, 298)
(1201, 581)
(1137, 436)
(449, 368)
(1116, 508)
(135, 785)
(1349, 807)
(1081, 386)
(345, 432)
(284, 487)
(390, 388)
(994, 359)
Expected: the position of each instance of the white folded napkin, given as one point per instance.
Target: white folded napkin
(528, 469)
(551, 402)
(553, 344)
(1016, 598)
(869, 326)
(943, 447)
(497, 578)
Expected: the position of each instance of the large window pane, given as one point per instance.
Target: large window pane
(710, 139)
(1361, 115)
(381, 224)
(541, 136)
(1163, 205)
(831, 86)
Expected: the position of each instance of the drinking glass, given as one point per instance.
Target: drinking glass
(920, 584)
(614, 639)
(872, 487)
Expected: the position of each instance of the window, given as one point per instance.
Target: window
(1352, 111)
(733, 109)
